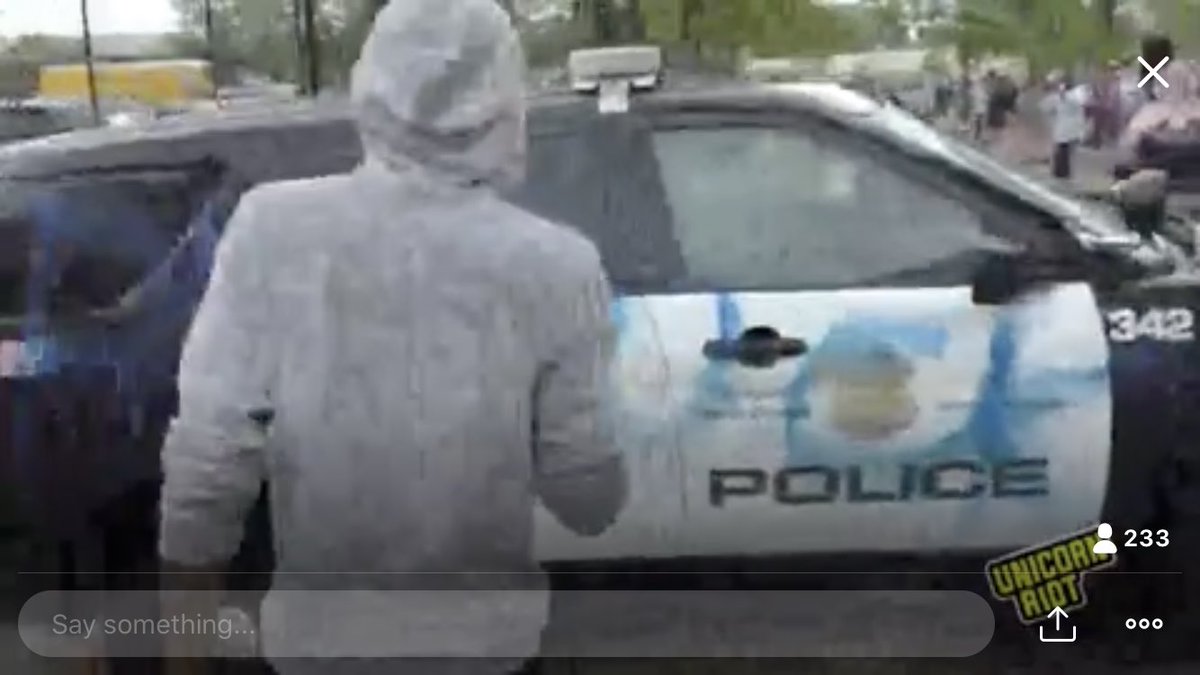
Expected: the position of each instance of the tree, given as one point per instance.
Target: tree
(1108, 14)
(259, 35)
(610, 21)
(45, 48)
(1181, 20)
(886, 23)
(1049, 35)
(93, 97)
(766, 27)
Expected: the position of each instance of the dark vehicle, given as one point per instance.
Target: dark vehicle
(22, 119)
(825, 307)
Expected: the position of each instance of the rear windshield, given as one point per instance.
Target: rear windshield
(78, 243)
(1097, 218)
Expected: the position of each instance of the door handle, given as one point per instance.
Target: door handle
(758, 347)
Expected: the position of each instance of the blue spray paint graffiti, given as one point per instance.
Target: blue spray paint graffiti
(714, 390)
(619, 315)
(998, 410)
(858, 346)
(989, 426)
(863, 346)
(138, 351)
(850, 339)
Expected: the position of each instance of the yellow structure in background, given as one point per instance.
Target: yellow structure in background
(155, 83)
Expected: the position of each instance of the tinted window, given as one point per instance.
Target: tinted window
(79, 243)
(599, 175)
(762, 208)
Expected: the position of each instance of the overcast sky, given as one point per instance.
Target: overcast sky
(62, 17)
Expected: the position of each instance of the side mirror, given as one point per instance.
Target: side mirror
(1142, 197)
(1003, 277)
(998, 280)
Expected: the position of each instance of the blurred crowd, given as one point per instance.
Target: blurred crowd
(1111, 107)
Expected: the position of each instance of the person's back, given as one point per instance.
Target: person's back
(412, 342)
(432, 358)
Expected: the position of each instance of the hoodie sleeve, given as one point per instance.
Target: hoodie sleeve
(212, 456)
(579, 471)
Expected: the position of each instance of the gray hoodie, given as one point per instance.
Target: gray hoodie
(431, 360)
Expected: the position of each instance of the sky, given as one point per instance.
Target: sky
(62, 17)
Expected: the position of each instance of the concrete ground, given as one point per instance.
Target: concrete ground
(1026, 144)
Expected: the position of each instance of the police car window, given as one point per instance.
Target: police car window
(760, 207)
(600, 177)
(78, 244)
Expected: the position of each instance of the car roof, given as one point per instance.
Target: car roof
(81, 150)
(247, 137)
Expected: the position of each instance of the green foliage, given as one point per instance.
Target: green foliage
(766, 27)
(261, 34)
(18, 78)
(1181, 20)
(883, 23)
(1049, 33)
(547, 46)
(45, 48)
(610, 21)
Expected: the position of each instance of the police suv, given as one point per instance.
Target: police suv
(840, 331)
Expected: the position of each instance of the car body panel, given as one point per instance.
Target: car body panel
(916, 420)
(1156, 391)
(645, 430)
(1072, 410)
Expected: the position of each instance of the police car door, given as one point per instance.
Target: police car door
(835, 387)
(593, 172)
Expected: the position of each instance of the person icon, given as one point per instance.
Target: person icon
(1104, 546)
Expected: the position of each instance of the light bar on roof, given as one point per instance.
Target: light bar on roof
(639, 66)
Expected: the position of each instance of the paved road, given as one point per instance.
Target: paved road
(1024, 143)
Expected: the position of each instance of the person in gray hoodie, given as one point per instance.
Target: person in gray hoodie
(410, 363)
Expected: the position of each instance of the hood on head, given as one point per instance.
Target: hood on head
(440, 85)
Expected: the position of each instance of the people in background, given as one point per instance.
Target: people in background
(943, 96)
(1178, 74)
(979, 94)
(1168, 124)
(1172, 109)
(1064, 106)
(1002, 100)
(1105, 105)
(1132, 97)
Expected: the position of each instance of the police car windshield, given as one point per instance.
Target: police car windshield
(1097, 217)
